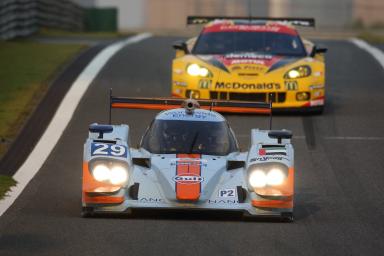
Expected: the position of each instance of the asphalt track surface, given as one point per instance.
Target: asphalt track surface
(339, 206)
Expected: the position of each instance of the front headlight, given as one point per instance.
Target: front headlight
(110, 172)
(196, 70)
(263, 176)
(258, 179)
(275, 177)
(119, 175)
(298, 72)
(101, 172)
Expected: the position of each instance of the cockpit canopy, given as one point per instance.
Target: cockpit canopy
(189, 137)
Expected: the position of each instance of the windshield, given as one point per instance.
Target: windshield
(260, 42)
(189, 137)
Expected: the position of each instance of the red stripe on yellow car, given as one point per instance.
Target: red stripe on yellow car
(188, 177)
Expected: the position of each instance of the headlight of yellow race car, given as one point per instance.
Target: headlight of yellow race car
(196, 70)
(298, 72)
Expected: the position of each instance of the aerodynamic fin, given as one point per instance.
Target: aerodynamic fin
(304, 22)
(223, 106)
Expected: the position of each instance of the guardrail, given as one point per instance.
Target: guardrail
(24, 17)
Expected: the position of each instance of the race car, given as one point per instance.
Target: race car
(188, 159)
(251, 59)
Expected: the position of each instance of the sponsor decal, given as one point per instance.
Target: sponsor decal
(248, 56)
(197, 115)
(262, 152)
(268, 27)
(227, 201)
(314, 87)
(231, 192)
(246, 86)
(319, 102)
(150, 200)
(291, 85)
(236, 68)
(205, 84)
(257, 68)
(180, 83)
(188, 178)
(269, 158)
(272, 151)
(191, 161)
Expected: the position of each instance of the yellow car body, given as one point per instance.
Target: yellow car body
(290, 82)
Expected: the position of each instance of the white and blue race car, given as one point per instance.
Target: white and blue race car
(188, 158)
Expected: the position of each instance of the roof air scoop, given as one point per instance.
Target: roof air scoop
(190, 105)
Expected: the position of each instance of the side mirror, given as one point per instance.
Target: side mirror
(280, 134)
(101, 129)
(182, 46)
(143, 162)
(317, 50)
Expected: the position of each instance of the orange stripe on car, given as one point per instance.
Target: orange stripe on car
(103, 199)
(188, 177)
(282, 204)
(92, 187)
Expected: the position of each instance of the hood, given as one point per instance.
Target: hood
(188, 177)
(248, 64)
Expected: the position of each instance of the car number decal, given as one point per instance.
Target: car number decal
(102, 149)
(227, 192)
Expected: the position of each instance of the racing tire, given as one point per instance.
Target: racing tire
(87, 212)
(317, 110)
(287, 217)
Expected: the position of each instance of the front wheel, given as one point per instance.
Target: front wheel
(316, 110)
(87, 212)
(287, 217)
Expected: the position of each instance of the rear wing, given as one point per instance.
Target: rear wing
(222, 106)
(304, 22)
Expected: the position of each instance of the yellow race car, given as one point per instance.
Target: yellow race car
(251, 59)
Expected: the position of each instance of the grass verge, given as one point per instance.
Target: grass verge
(372, 37)
(25, 71)
(69, 34)
(6, 183)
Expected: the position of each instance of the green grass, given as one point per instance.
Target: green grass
(372, 37)
(25, 71)
(64, 33)
(6, 183)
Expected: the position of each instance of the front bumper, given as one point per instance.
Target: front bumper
(282, 95)
(280, 100)
(250, 208)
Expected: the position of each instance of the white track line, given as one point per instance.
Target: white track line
(61, 119)
(375, 52)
